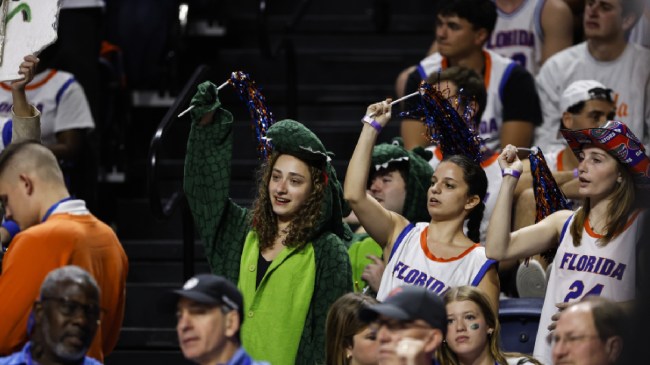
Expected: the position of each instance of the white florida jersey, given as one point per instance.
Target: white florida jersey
(411, 263)
(497, 71)
(59, 98)
(494, 177)
(589, 269)
(518, 35)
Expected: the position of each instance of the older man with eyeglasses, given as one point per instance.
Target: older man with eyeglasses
(63, 321)
(589, 332)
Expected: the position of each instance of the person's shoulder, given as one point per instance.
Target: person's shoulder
(90, 361)
(17, 358)
(576, 52)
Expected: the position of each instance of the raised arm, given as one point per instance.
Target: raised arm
(557, 26)
(381, 224)
(223, 225)
(26, 118)
(528, 241)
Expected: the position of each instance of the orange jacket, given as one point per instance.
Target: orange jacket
(63, 239)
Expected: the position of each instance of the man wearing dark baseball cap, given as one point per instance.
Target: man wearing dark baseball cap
(411, 322)
(209, 312)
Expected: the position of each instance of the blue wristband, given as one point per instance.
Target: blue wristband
(512, 172)
(372, 122)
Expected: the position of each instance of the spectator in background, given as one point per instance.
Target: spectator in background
(56, 230)
(512, 110)
(397, 176)
(289, 245)
(530, 31)
(209, 313)
(66, 120)
(348, 340)
(598, 243)
(63, 321)
(606, 57)
(589, 332)
(436, 254)
(411, 324)
(473, 331)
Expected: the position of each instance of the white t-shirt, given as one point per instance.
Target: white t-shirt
(518, 35)
(60, 99)
(411, 263)
(628, 76)
(589, 269)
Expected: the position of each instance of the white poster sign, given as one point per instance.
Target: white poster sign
(29, 26)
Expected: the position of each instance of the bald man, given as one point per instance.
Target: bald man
(589, 332)
(55, 230)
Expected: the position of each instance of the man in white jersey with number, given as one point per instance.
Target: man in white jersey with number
(512, 110)
(607, 57)
(531, 31)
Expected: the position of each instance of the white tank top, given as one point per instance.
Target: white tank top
(518, 35)
(497, 71)
(411, 263)
(589, 269)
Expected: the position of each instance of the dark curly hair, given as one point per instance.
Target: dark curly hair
(265, 222)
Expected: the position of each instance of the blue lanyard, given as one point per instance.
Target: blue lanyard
(53, 207)
(28, 354)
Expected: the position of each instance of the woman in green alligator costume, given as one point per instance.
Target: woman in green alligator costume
(286, 254)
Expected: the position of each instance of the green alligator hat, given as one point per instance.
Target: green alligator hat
(293, 138)
(419, 175)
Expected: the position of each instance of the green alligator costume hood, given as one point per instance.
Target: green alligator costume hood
(293, 138)
(419, 175)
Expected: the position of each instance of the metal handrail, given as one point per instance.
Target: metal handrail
(178, 197)
(155, 199)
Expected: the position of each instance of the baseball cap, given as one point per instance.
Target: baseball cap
(409, 303)
(211, 289)
(618, 140)
(583, 90)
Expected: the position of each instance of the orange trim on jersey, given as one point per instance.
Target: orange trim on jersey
(444, 64)
(35, 85)
(489, 161)
(560, 164)
(488, 69)
(431, 256)
(485, 163)
(593, 234)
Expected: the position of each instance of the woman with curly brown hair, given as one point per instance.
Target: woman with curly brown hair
(286, 254)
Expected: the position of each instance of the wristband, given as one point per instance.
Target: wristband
(372, 122)
(576, 173)
(508, 171)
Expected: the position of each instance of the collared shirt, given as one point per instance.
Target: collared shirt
(24, 357)
(241, 358)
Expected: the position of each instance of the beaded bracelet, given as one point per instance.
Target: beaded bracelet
(508, 171)
(372, 122)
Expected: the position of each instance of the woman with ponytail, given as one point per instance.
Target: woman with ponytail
(437, 254)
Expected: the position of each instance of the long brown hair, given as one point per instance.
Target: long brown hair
(621, 205)
(264, 220)
(342, 324)
(475, 295)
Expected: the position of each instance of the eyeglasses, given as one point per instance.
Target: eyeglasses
(569, 339)
(69, 307)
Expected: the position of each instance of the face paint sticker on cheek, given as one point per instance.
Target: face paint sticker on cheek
(474, 326)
